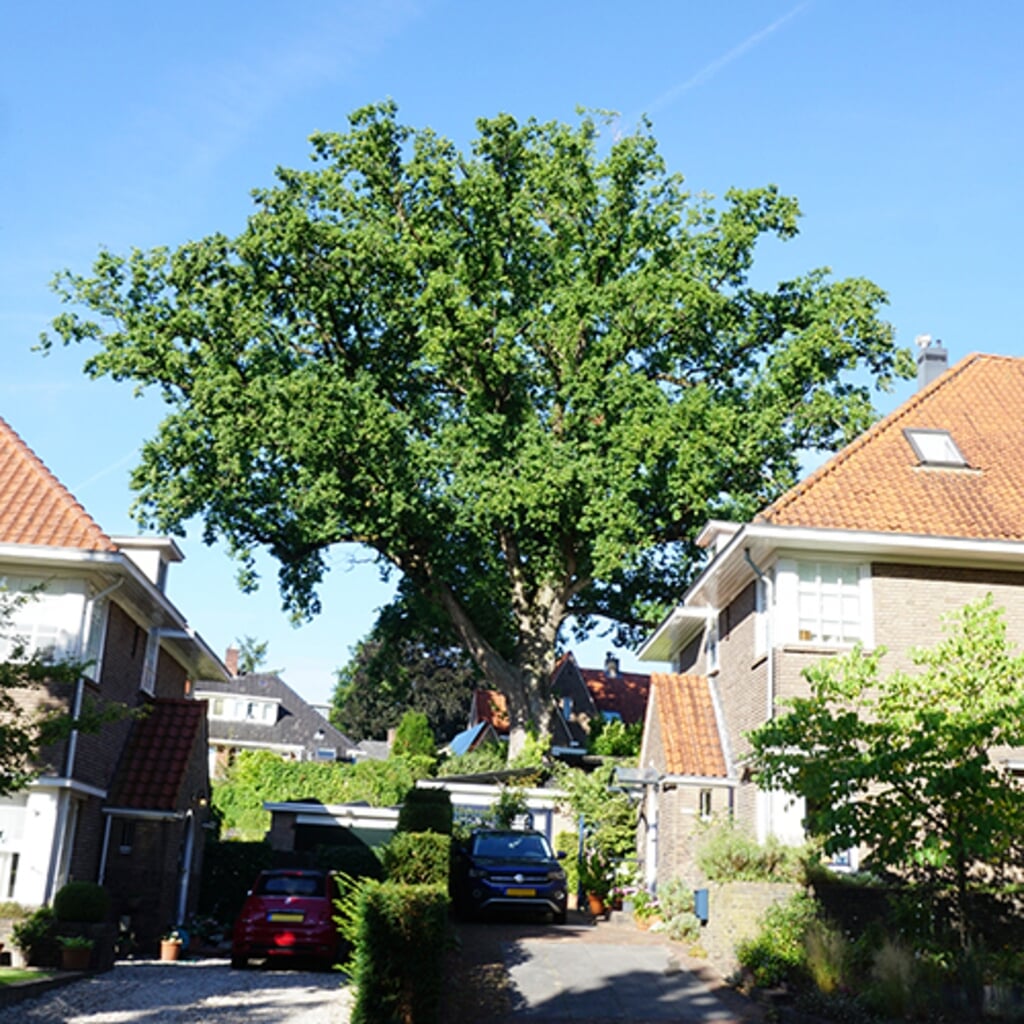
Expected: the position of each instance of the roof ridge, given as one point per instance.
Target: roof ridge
(838, 459)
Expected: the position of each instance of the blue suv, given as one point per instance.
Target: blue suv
(502, 868)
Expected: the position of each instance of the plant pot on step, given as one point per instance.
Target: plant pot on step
(75, 958)
(170, 949)
(595, 903)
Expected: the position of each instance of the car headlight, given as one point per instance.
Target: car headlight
(556, 875)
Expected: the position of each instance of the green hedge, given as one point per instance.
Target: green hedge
(81, 901)
(398, 959)
(426, 810)
(417, 858)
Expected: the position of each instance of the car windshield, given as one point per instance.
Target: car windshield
(290, 885)
(532, 847)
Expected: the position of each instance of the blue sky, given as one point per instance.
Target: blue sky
(898, 127)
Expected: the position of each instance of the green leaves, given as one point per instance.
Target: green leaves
(525, 374)
(905, 764)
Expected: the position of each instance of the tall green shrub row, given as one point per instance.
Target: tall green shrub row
(398, 931)
(398, 960)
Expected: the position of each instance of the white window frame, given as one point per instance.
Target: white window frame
(711, 645)
(856, 586)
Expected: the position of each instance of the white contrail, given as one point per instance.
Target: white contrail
(709, 70)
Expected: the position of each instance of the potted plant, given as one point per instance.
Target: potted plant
(595, 880)
(171, 945)
(75, 952)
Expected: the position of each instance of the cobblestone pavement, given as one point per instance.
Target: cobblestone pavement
(190, 992)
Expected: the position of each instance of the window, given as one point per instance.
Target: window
(761, 612)
(127, 836)
(704, 804)
(829, 603)
(935, 448)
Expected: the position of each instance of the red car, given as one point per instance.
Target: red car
(288, 912)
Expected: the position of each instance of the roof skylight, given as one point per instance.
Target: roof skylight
(935, 448)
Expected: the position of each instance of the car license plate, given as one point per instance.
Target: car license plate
(287, 916)
(520, 892)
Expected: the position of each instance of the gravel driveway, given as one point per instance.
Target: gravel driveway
(197, 992)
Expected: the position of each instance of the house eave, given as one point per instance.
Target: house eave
(138, 593)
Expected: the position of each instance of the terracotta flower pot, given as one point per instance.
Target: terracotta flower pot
(75, 958)
(595, 904)
(170, 949)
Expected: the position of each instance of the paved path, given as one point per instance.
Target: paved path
(602, 973)
(607, 981)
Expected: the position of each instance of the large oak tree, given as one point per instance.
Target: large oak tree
(524, 375)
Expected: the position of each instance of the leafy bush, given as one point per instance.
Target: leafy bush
(615, 738)
(511, 804)
(35, 936)
(675, 900)
(426, 810)
(81, 901)
(568, 843)
(777, 953)
(414, 737)
(725, 853)
(400, 936)
(417, 858)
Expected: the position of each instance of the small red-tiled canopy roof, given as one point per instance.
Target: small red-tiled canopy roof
(491, 706)
(158, 755)
(878, 484)
(624, 693)
(37, 508)
(689, 728)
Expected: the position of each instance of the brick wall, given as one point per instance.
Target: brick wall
(735, 910)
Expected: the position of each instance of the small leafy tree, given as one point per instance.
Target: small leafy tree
(252, 654)
(903, 764)
(413, 737)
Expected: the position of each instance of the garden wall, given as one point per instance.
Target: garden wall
(735, 910)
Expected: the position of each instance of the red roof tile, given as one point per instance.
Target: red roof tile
(624, 694)
(491, 706)
(689, 728)
(878, 484)
(37, 508)
(158, 755)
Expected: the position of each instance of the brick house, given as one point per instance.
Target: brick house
(917, 517)
(124, 806)
(259, 711)
(580, 694)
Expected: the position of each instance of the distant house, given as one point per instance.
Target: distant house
(920, 515)
(125, 806)
(259, 711)
(580, 695)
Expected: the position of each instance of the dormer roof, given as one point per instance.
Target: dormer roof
(687, 725)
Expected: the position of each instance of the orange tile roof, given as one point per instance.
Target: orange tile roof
(624, 694)
(689, 728)
(158, 755)
(36, 508)
(877, 484)
(491, 706)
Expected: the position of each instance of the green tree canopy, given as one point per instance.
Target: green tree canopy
(404, 664)
(525, 375)
(903, 764)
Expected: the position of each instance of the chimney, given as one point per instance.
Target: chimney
(611, 665)
(931, 360)
(231, 660)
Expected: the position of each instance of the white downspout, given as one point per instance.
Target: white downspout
(186, 873)
(769, 615)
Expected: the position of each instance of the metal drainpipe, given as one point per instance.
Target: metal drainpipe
(769, 601)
